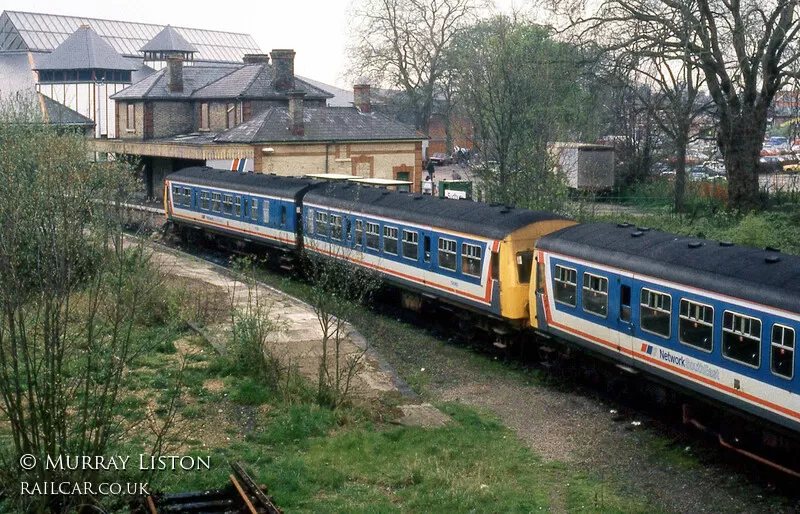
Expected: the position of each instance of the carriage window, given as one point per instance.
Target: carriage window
(177, 195)
(782, 355)
(595, 294)
(265, 209)
(410, 245)
(741, 338)
(254, 210)
(655, 312)
(348, 227)
(237, 206)
(205, 200)
(336, 227)
(471, 260)
(322, 224)
(565, 285)
(359, 233)
(215, 201)
(227, 204)
(524, 265)
(373, 236)
(187, 196)
(447, 254)
(310, 222)
(390, 240)
(696, 325)
(283, 215)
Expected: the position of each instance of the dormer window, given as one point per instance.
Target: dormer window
(204, 122)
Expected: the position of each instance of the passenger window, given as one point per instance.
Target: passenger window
(359, 233)
(427, 248)
(187, 196)
(410, 245)
(348, 227)
(447, 254)
(265, 209)
(524, 266)
(782, 355)
(390, 240)
(227, 204)
(215, 201)
(322, 224)
(741, 338)
(565, 285)
(310, 221)
(696, 325)
(471, 260)
(655, 313)
(237, 206)
(177, 195)
(373, 236)
(205, 200)
(254, 210)
(495, 265)
(336, 227)
(595, 294)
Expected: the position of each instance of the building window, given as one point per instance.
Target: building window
(471, 260)
(741, 338)
(215, 201)
(696, 325)
(595, 294)
(655, 312)
(227, 204)
(204, 121)
(565, 285)
(322, 224)
(359, 233)
(230, 116)
(205, 200)
(131, 126)
(336, 227)
(390, 240)
(403, 175)
(237, 206)
(373, 236)
(410, 245)
(782, 355)
(447, 254)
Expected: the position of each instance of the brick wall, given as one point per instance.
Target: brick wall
(172, 118)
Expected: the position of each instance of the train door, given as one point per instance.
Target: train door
(427, 257)
(626, 317)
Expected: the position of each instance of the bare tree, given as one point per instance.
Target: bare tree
(400, 43)
(746, 50)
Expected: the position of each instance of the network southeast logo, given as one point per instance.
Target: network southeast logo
(647, 348)
(686, 363)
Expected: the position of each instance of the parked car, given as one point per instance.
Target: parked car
(440, 159)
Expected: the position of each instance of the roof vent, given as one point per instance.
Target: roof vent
(624, 224)
(637, 234)
(695, 244)
(771, 259)
(643, 229)
(725, 243)
(772, 249)
(384, 193)
(418, 197)
(505, 210)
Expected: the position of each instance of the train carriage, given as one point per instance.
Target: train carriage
(717, 319)
(455, 251)
(247, 206)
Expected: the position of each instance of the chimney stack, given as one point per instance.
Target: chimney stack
(361, 97)
(256, 58)
(296, 112)
(175, 72)
(283, 65)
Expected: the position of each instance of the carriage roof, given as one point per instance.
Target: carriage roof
(764, 276)
(491, 221)
(258, 183)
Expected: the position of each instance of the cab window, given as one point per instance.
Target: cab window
(524, 265)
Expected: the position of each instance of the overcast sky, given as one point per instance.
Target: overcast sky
(316, 29)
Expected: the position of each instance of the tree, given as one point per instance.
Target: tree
(71, 297)
(522, 91)
(746, 50)
(401, 44)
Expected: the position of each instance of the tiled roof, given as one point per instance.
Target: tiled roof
(251, 81)
(59, 114)
(44, 32)
(320, 124)
(168, 40)
(84, 50)
(341, 97)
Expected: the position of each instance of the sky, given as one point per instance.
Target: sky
(316, 29)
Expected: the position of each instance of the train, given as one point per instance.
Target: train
(713, 322)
